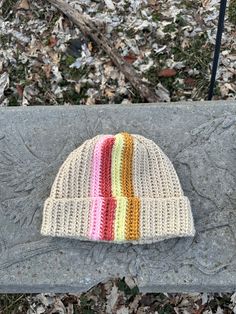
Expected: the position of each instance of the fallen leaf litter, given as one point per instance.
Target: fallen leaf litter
(170, 43)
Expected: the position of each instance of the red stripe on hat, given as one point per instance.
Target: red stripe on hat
(109, 204)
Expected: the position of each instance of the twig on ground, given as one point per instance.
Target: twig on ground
(89, 28)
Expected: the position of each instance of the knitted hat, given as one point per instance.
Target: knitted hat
(118, 188)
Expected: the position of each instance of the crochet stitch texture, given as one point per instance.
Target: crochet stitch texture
(117, 188)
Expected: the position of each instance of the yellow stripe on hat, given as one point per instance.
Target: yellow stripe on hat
(127, 211)
(116, 173)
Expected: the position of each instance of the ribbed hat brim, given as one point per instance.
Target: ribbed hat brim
(159, 219)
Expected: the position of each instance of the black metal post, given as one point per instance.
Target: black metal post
(217, 47)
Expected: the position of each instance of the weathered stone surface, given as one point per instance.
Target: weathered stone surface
(200, 139)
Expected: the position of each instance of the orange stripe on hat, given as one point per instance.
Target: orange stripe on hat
(133, 203)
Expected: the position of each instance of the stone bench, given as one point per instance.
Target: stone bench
(199, 138)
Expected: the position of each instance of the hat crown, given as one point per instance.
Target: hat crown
(119, 188)
(149, 172)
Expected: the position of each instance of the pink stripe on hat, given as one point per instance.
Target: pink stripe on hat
(95, 213)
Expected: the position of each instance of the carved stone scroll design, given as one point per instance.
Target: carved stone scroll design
(206, 165)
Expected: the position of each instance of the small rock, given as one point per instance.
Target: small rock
(131, 283)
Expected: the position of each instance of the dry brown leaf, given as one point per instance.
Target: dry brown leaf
(134, 305)
(90, 46)
(78, 88)
(90, 101)
(167, 73)
(205, 3)
(190, 81)
(55, 57)
(109, 92)
(130, 58)
(20, 90)
(200, 310)
(23, 5)
(47, 68)
(112, 299)
(52, 41)
(185, 43)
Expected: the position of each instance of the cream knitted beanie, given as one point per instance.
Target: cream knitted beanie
(117, 188)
